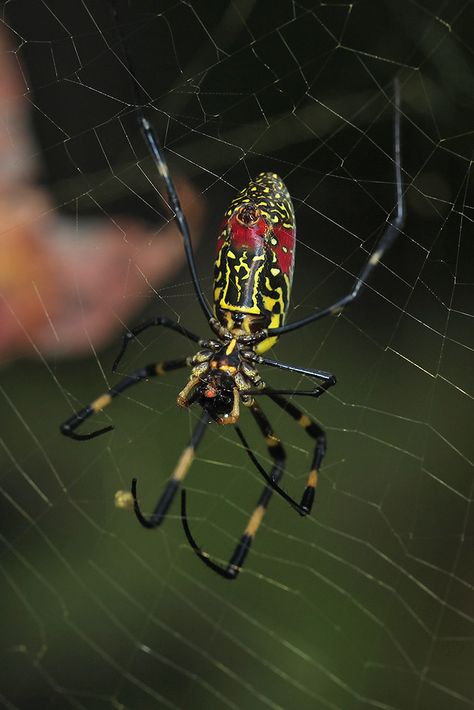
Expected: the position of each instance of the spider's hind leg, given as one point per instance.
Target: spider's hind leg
(312, 428)
(179, 473)
(236, 562)
(316, 432)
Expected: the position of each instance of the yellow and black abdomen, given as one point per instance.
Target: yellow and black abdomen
(255, 258)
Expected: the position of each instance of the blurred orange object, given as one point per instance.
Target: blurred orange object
(67, 286)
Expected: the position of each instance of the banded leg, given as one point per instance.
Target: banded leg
(391, 232)
(154, 148)
(315, 431)
(152, 370)
(240, 553)
(155, 321)
(179, 473)
(275, 448)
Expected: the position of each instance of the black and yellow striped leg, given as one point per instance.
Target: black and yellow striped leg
(391, 232)
(152, 370)
(275, 448)
(150, 323)
(237, 560)
(179, 473)
(312, 428)
(316, 432)
(154, 147)
(240, 553)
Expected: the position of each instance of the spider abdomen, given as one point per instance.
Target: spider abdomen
(255, 259)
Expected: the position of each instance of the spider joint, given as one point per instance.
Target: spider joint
(251, 355)
(210, 344)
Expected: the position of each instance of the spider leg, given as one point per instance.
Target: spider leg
(240, 553)
(316, 432)
(150, 323)
(156, 151)
(311, 427)
(272, 484)
(329, 380)
(152, 370)
(179, 473)
(327, 377)
(392, 230)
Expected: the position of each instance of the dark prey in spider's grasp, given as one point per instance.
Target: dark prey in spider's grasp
(252, 282)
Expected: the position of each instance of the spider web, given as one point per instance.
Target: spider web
(367, 603)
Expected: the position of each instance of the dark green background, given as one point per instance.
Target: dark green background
(368, 603)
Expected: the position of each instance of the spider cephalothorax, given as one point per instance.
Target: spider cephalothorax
(252, 281)
(222, 376)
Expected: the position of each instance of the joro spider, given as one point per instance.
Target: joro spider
(252, 283)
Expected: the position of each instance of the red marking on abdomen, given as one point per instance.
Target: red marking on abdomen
(244, 236)
(285, 238)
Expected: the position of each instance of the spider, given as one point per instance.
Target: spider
(252, 282)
